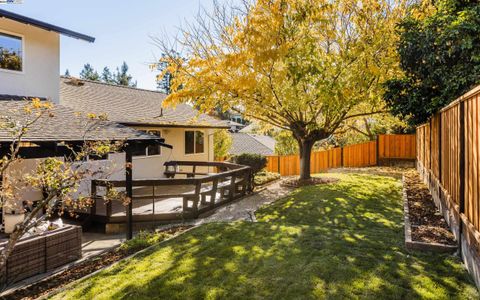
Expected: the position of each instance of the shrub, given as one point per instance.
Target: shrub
(264, 177)
(257, 162)
(222, 142)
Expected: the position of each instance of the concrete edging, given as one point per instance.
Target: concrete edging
(415, 245)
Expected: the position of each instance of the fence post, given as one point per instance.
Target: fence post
(461, 175)
(440, 148)
(278, 164)
(377, 146)
(430, 145)
(341, 157)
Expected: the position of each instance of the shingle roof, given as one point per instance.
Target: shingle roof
(251, 143)
(62, 124)
(129, 105)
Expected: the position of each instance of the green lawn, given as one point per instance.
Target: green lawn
(343, 240)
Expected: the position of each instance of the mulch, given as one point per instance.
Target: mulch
(295, 182)
(428, 224)
(80, 270)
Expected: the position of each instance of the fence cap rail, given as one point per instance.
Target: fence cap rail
(464, 97)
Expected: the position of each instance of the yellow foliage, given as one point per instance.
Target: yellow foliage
(291, 61)
(301, 65)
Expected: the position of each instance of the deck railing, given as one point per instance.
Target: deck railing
(207, 190)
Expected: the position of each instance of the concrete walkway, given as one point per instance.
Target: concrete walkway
(96, 243)
(244, 209)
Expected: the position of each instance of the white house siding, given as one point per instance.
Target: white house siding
(41, 66)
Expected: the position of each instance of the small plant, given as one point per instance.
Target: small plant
(257, 162)
(143, 240)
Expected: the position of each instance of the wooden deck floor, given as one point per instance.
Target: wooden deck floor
(151, 205)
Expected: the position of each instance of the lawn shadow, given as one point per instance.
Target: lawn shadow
(339, 240)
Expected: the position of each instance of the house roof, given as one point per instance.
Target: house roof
(63, 124)
(252, 143)
(130, 106)
(46, 26)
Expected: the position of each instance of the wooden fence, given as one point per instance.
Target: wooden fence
(448, 159)
(386, 147)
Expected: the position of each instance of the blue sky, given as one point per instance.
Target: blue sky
(122, 30)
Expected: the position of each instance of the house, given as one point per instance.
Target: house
(188, 132)
(156, 180)
(235, 126)
(154, 135)
(252, 143)
(29, 67)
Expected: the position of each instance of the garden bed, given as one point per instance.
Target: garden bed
(142, 241)
(425, 227)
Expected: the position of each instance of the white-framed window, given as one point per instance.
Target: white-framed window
(194, 142)
(11, 52)
(150, 150)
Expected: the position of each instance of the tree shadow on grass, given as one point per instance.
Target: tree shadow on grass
(343, 240)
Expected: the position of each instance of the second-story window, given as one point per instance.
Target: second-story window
(11, 52)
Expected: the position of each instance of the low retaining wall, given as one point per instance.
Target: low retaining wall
(396, 162)
(416, 245)
(469, 243)
(42, 253)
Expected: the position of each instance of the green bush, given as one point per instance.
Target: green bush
(264, 177)
(257, 162)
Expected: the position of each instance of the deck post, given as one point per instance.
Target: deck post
(129, 191)
(93, 195)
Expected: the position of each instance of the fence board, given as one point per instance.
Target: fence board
(358, 155)
(439, 154)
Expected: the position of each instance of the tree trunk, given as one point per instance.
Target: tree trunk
(305, 147)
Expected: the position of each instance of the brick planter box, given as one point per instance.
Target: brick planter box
(42, 253)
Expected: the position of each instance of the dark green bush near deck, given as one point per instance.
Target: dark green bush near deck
(336, 241)
(256, 161)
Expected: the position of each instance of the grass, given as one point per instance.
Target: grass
(342, 240)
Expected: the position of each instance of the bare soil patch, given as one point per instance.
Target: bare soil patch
(80, 270)
(428, 225)
(294, 182)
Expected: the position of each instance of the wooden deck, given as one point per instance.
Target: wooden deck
(183, 195)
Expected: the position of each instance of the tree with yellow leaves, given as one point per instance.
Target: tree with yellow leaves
(306, 66)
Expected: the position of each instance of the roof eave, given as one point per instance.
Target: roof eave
(173, 125)
(45, 26)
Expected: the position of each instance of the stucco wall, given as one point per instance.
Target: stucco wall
(41, 66)
(152, 166)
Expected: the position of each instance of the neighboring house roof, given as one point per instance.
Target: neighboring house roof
(233, 123)
(252, 143)
(62, 124)
(130, 106)
(249, 128)
(45, 26)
